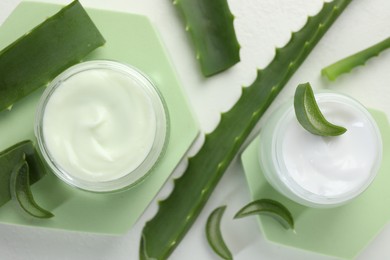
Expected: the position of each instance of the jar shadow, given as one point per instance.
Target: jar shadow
(51, 191)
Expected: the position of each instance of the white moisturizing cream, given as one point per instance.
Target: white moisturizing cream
(101, 125)
(321, 171)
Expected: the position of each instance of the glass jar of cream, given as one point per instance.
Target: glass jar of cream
(101, 125)
(320, 171)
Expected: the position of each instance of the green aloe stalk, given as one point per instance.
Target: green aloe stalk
(11, 157)
(37, 57)
(191, 191)
(347, 64)
(210, 25)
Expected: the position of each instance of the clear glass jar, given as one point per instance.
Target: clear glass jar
(101, 126)
(321, 171)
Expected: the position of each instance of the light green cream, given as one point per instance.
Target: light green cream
(99, 125)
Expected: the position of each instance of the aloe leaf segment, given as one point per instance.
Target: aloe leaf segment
(11, 157)
(191, 191)
(214, 234)
(268, 207)
(309, 114)
(360, 58)
(20, 190)
(37, 57)
(210, 25)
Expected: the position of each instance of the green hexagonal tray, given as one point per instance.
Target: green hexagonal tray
(340, 232)
(132, 39)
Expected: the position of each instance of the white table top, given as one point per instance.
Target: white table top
(260, 26)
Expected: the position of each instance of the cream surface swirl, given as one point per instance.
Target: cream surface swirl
(99, 125)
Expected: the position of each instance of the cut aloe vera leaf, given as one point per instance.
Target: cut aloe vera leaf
(360, 58)
(41, 54)
(268, 207)
(191, 191)
(210, 25)
(309, 114)
(214, 234)
(21, 192)
(10, 157)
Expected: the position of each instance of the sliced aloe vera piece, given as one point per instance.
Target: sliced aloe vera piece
(37, 57)
(360, 58)
(214, 234)
(309, 114)
(268, 207)
(210, 25)
(9, 158)
(20, 190)
(191, 191)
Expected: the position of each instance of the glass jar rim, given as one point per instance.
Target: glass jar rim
(161, 132)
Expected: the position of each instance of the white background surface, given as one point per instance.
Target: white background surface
(260, 26)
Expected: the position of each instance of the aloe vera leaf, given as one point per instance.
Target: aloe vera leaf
(214, 234)
(191, 191)
(268, 207)
(37, 57)
(10, 157)
(309, 114)
(20, 190)
(210, 25)
(360, 58)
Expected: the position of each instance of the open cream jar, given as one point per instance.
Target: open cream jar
(319, 171)
(101, 125)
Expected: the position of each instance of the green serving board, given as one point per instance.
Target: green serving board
(131, 39)
(340, 232)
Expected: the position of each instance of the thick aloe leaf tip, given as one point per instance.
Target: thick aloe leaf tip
(28, 63)
(333, 71)
(211, 28)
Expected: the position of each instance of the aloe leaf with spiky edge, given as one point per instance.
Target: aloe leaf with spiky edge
(210, 25)
(191, 191)
(347, 64)
(38, 56)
